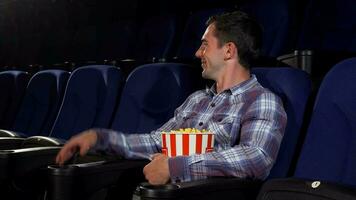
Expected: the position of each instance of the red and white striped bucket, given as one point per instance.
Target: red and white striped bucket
(185, 144)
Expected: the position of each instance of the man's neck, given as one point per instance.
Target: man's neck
(232, 75)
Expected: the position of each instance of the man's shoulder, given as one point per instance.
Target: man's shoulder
(258, 92)
(199, 94)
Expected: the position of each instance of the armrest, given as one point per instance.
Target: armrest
(214, 188)
(18, 162)
(7, 143)
(81, 181)
(293, 188)
(7, 133)
(41, 141)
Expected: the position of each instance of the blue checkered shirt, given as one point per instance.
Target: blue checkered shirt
(248, 122)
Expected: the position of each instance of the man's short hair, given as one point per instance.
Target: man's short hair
(239, 28)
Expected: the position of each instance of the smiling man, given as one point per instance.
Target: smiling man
(248, 120)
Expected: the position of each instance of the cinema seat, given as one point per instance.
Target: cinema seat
(326, 166)
(12, 87)
(293, 87)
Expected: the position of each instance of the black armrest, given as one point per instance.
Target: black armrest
(8, 133)
(8, 143)
(18, 162)
(293, 188)
(214, 188)
(81, 181)
(41, 141)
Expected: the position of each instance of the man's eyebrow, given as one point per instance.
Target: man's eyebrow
(204, 40)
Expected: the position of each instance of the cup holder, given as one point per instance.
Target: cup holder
(61, 170)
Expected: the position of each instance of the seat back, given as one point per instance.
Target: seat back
(12, 87)
(329, 150)
(41, 102)
(89, 100)
(151, 94)
(293, 86)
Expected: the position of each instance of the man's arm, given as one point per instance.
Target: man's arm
(133, 146)
(136, 146)
(261, 133)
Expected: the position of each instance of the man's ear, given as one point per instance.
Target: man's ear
(230, 51)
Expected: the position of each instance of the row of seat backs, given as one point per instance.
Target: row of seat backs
(157, 37)
(325, 27)
(150, 96)
(44, 93)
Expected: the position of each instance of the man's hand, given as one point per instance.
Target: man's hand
(157, 171)
(82, 143)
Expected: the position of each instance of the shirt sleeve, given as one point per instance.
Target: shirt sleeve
(136, 146)
(262, 129)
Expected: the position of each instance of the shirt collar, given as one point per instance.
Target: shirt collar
(237, 89)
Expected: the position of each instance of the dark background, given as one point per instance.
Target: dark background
(51, 32)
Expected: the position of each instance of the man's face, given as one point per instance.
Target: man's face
(210, 54)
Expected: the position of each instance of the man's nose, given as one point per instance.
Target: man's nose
(198, 53)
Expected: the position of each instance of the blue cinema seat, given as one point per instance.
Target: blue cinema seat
(12, 88)
(89, 101)
(151, 94)
(40, 104)
(326, 166)
(293, 86)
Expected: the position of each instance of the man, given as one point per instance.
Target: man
(248, 120)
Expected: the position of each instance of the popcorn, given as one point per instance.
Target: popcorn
(185, 142)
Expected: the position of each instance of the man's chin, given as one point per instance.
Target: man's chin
(205, 75)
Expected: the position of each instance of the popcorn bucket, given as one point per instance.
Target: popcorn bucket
(185, 143)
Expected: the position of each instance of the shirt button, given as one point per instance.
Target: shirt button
(213, 105)
(200, 123)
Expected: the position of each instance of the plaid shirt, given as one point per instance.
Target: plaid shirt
(248, 122)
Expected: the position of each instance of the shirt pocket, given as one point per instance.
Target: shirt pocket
(188, 119)
(222, 118)
(221, 125)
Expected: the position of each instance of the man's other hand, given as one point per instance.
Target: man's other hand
(157, 171)
(82, 143)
